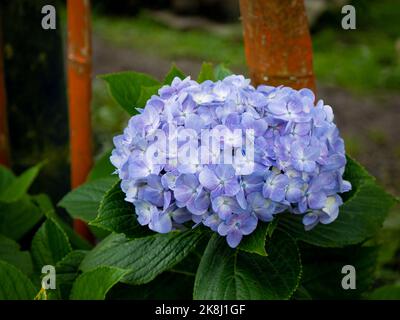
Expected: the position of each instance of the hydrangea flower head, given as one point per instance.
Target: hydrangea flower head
(229, 156)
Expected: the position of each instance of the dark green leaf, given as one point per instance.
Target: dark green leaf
(322, 270)
(206, 72)
(172, 73)
(145, 257)
(19, 217)
(67, 271)
(125, 87)
(6, 178)
(301, 294)
(11, 253)
(69, 265)
(255, 242)
(14, 284)
(271, 227)
(45, 205)
(167, 286)
(117, 215)
(225, 273)
(94, 284)
(49, 245)
(43, 202)
(19, 186)
(83, 202)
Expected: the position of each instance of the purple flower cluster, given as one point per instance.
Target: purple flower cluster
(297, 165)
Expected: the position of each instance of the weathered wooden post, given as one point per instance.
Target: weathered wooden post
(277, 42)
(79, 93)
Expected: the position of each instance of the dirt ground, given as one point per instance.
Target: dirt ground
(369, 123)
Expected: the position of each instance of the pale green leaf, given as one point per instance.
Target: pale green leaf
(125, 88)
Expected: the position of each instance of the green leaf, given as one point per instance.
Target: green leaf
(19, 217)
(68, 266)
(49, 245)
(83, 202)
(271, 227)
(102, 168)
(19, 186)
(117, 215)
(11, 253)
(94, 284)
(322, 270)
(172, 73)
(145, 95)
(301, 294)
(389, 292)
(221, 72)
(255, 242)
(206, 72)
(125, 88)
(6, 178)
(225, 273)
(167, 286)
(145, 257)
(67, 271)
(14, 284)
(44, 203)
(360, 217)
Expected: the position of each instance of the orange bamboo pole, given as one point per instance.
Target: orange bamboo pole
(277, 42)
(79, 92)
(4, 137)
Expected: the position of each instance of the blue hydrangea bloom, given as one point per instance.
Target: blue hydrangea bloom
(296, 167)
